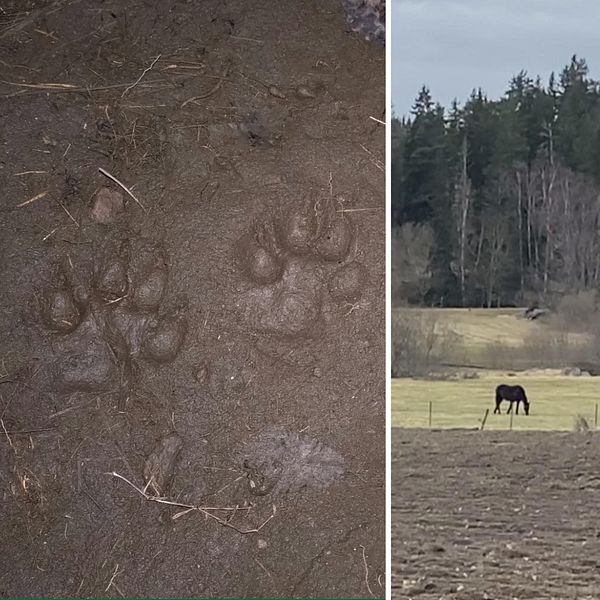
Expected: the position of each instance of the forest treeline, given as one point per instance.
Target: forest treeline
(497, 202)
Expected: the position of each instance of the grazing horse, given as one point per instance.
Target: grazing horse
(511, 393)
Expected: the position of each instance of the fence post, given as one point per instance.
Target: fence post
(487, 412)
(430, 412)
(596, 416)
(511, 420)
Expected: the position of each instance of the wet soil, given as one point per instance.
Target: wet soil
(495, 515)
(208, 333)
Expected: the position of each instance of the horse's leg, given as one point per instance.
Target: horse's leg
(509, 407)
(517, 411)
(497, 409)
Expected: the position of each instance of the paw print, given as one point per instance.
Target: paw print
(297, 262)
(106, 320)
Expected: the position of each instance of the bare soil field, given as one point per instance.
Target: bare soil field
(495, 515)
(192, 300)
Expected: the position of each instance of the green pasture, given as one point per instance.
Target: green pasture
(555, 402)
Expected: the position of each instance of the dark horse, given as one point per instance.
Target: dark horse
(511, 393)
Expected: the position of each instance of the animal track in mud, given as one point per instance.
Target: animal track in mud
(279, 462)
(297, 262)
(106, 319)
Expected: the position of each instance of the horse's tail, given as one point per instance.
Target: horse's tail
(498, 394)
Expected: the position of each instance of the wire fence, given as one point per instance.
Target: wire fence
(427, 417)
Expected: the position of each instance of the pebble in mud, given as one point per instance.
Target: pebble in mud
(160, 465)
(163, 339)
(334, 243)
(347, 283)
(112, 281)
(148, 294)
(60, 312)
(201, 373)
(108, 204)
(303, 91)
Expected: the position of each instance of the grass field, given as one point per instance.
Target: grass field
(493, 343)
(555, 402)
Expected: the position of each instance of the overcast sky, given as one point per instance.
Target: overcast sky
(453, 46)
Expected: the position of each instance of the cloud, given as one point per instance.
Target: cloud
(454, 46)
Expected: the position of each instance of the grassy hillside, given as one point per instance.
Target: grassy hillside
(492, 338)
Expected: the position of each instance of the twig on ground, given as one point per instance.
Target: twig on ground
(229, 484)
(377, 120)
(205, 510)
(72, 88)
(70, 408)
(7, 436)
(263, 568)
(112, 579)
(141, 76)
(345, 210)
(50, 234)
(246, 39)
(124, 187)
(36, 197)
(67, 211)
(46, 86)
(378, 163)
(366, 571)
(30, 431)
(212, 91)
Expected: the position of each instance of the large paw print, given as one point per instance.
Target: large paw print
(108, 319)
(297, 262)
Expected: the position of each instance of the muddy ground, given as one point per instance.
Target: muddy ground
(495, 515)
(214, 336)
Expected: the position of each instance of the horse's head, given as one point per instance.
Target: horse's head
(526, 406)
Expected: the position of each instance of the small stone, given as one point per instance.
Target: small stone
(107, 206)
(304, 91)
(201, 373)
(160, 465)
(262, 544)
(275, 91)
(317, 372)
